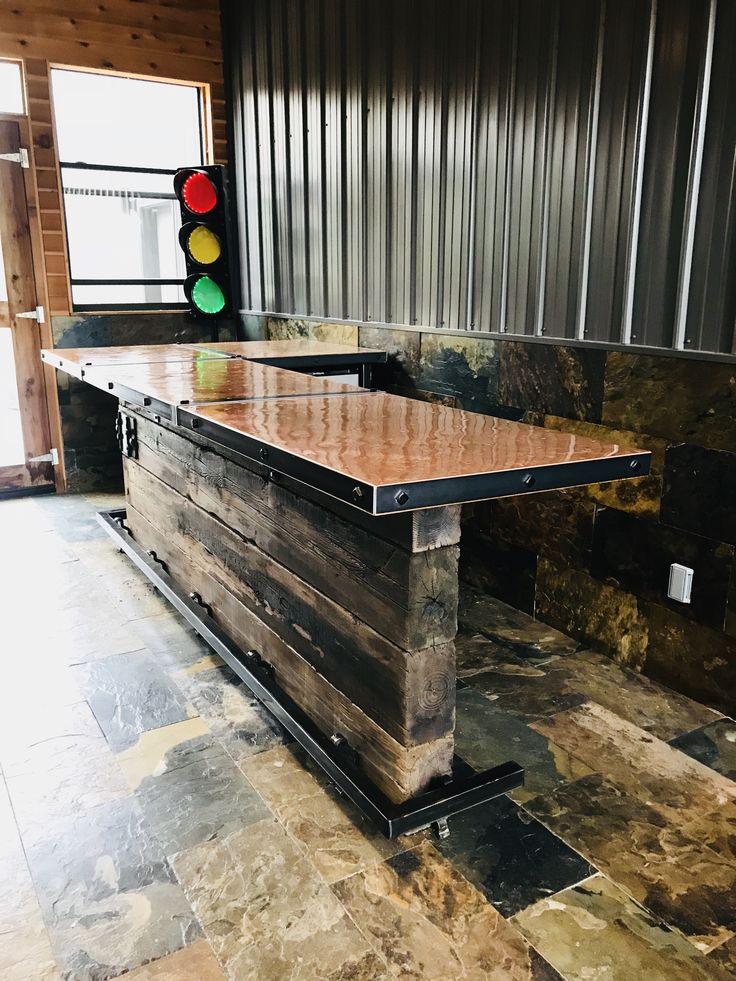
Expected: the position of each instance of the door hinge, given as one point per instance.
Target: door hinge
(37, 314)
(21, 157)
(51, 457)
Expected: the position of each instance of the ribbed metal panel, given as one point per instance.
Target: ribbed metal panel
(544, 167)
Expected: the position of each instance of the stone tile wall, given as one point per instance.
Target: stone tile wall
(594, 561)
(91, 454)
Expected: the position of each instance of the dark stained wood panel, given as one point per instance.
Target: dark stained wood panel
(408, 596)
(400, 771)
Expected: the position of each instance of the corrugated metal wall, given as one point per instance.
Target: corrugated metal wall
(553, 167)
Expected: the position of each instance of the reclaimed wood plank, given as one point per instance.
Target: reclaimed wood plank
(409, 597)
(400, 772)
(410, 694)
(416, 531)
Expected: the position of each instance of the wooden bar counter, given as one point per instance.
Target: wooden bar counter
(319, 524)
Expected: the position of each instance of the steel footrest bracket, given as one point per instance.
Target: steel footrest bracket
(430, 808)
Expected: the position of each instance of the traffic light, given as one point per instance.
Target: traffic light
(205, 239)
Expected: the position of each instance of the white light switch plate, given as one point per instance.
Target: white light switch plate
(681, 583)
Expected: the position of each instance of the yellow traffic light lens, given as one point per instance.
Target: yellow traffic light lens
(207, 296)
(204, 246)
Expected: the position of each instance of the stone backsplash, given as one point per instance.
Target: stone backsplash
(594, 561)
(91, 454)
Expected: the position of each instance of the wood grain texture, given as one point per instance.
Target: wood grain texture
(21, 290)
(413, 531)
(175, 40)
(400, 772)
(409, 597)
(409, 694)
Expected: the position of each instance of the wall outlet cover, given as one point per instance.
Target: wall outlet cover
(681, 583)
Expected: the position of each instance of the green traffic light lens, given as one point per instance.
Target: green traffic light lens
(207, 296)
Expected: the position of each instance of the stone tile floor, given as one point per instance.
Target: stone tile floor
(154, 822)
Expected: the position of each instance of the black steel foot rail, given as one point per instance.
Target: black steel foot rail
(331, 753)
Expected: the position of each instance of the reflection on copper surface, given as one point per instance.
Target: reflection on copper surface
(133, 354)
(290, 349)
(211, 380)
(384, 439)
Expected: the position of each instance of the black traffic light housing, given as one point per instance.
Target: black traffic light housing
(205, 238)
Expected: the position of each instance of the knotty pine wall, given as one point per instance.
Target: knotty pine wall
(174, 39)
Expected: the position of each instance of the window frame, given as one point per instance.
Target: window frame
(205, 155)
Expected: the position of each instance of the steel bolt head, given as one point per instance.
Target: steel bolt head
(357, 493)
(401, 498)
(634, 464)
(529, 480)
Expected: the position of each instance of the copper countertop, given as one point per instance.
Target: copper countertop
(384, 443)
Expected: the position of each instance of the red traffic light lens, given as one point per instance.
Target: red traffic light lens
(198, 193)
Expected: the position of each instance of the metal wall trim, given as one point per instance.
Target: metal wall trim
(590, 186)
(693, 188)
(627, 330)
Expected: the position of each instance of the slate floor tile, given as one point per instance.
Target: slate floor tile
(713, 745)
(108, 895)
(672, 874)
(265, 909)
(193, 963)
(682, 789)
(486, 735)
(501, 630)
(594, 930)
(170, 639)
(429, 922)
(66, 768)
(724, 958)
(25, 950)
(238, 719)
(190, 790)
(129, 694)
(511, 858)
(336, 836)
(535, 691)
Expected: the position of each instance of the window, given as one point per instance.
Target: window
(11, 88)
(120, 140)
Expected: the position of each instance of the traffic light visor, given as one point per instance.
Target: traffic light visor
(198, 193)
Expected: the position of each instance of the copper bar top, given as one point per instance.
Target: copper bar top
(385, 453)
(289, 354)
(299, 351)
(381, 453)
(165, 385)
(76, 360)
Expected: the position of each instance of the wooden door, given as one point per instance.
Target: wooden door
(20, 337)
